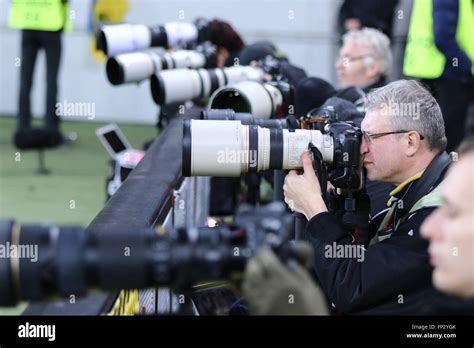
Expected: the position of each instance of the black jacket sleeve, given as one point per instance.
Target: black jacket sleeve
(372, 13)
(397, 265)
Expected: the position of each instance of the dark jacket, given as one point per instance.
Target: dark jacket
(395, 275)
(380, 82)
(372, 13)
(453, 305)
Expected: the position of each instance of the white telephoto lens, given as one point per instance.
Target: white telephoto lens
(295, 142)
(179, 85)
(136, 66)
(236, 74)
(228, 148)
(179, 33)
(261, 100)
(188, 59)
(122, 38)
(217, 148)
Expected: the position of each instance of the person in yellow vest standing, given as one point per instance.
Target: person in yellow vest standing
(42, 24)
(440, 52)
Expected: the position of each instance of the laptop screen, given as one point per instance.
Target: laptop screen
(114, 141)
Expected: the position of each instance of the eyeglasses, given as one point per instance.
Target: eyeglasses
(369, 137)
(349, 59)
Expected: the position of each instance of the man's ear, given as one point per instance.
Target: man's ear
(373, 67)
(413, 143)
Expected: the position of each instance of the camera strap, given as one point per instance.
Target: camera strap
(349, 217)
(320, 169)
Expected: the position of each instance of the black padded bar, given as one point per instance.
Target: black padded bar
(143, 200)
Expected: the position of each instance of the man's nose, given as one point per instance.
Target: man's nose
(364, 148)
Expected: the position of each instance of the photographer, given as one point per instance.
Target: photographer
(228, 42)
(449, 230)
(391, 274)
(364, 63)
(365, 59)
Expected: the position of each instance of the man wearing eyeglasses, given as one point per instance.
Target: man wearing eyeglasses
(365, 59)
(401, 146)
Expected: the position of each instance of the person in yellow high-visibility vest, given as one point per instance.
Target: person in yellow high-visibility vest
(440, 51)
(105, 12)
(42, 24)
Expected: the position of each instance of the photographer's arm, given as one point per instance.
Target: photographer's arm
(379, 274)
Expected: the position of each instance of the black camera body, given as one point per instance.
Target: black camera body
(346, 171)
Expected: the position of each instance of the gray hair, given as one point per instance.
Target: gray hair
(378, 44)
(411, 107)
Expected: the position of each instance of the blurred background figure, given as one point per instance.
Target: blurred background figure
(358, 14)
(365, 59)
(42, 24)
(272, 287)
(450, 229)
(105, 12)
(440, 52)
(228, 42)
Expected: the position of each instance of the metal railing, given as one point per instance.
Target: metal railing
(154, 193)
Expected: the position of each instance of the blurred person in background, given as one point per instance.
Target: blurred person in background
(358, 14)
(440, 52)
(450, 229)
(42, 25)
(365, 59)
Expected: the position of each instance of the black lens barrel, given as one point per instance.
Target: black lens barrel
(7, 294)
(159, 37)
(115, 72)
(70, 260)
(187, 144)
(244, 117)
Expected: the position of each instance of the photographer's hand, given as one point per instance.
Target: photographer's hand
(302, 191)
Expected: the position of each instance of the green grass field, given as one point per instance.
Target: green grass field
(74, 191)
